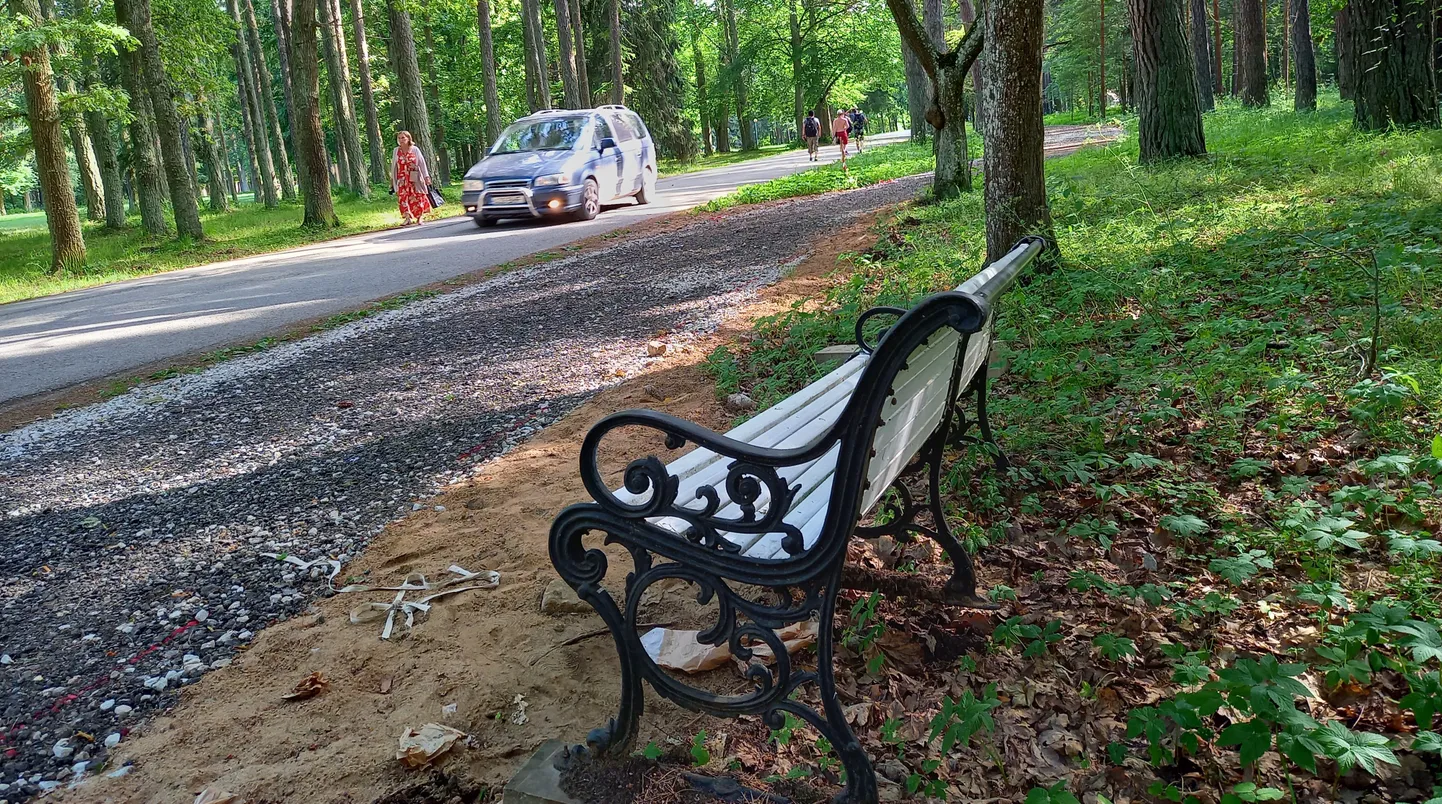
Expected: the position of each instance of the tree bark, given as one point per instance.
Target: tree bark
(271, 118)
(256, 138)
(42, 111)
(1305, 59)
(1102, 59)
(1342, 39)
(144, 159)
(1396, 81)
(918, 91)
(701, 100)
(738, 72)
(167, 120)
(206, 150)
(1201, 55)
(442, 166)
(338, 77)
(946, 71)
(967, 12)
(1251, 48)
(798, 99)
(539, 52)
(488, 68)
(1168, 99)
(583, 76)
(618, 81)
(98, 126)
(415, 118)
(374, 141)
(1219, 86)
(1012, 126)
(228, 166)
(566, 39)
(280, 13)
(319, 208)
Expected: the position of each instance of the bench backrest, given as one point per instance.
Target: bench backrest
(915, 375)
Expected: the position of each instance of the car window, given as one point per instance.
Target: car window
(550, 134)
(624, 133)
(641, 131)
(602, 130)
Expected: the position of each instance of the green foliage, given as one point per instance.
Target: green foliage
(1113, 648)
(958, 721)
(1244, 566)
(1056, 794)
(872, 166)
(699, 753)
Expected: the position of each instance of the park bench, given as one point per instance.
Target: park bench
(759, 518)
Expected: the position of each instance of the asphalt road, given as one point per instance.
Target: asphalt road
(60, 341)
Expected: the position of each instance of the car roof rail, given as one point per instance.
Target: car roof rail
(614, 106)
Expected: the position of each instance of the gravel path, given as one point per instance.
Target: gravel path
(133, 531)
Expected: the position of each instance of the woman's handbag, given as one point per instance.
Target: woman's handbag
(435, 196)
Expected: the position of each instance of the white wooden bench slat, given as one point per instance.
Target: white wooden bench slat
(911, 415)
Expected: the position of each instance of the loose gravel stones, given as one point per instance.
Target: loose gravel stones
(133, 530)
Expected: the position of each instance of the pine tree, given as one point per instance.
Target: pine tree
(1251, 54)
(319, 208)
(1305, 56)
(408, 90)
(374, 139)
(338, 75)
(488, 69)
(1168, 100)
(271, 120)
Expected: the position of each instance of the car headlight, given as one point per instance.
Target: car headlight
(472, 185)
(553, 180)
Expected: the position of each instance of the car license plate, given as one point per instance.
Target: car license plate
(508, 199)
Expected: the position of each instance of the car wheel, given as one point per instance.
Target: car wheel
(590, 201)
(647, 193)
(484, 222)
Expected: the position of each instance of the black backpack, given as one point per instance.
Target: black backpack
(812, 127)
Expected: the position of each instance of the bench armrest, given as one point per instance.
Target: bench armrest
(753, 470)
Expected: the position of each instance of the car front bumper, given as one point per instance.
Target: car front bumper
(507, 202)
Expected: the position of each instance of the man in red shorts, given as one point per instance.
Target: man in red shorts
(840, 128)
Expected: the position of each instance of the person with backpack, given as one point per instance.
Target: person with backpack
(858, 126)
(839, 129)
(811, 132)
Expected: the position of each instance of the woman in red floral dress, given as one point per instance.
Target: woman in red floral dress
(410, 178)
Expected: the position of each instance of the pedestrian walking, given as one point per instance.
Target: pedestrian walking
(811, 132)
(839, 129)
(410, 179)
(858, 127)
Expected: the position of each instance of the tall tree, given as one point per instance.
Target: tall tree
(1251, 50)
(1011, 125)
(42, 111)
(1305, 56)
(618, 82)
(338, 76)
(409, 91)
(660, 91)
(1219, 86)
(167, 119)
(566, 39)
(1342, 39)
(947, 69)
(263, 87)
(98, 127)
(701, 100)
(305, 83)
(534, 41)
(738, 73)
(1393, 63)
(210, 157)
(1102, 57)
(374, 140)
(280, 16)
(85, 161)
(583, 77)
(1168, 99)
(149, 185)
(967, 12)
(256, 137)
(1201, 54)
(442, 166)
(488, 70)
(917, 92)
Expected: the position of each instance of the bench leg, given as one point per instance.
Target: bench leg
(860, 778)
(982, 422)
(961, 589)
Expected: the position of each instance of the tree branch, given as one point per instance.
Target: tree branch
(913, 36)
(969, 48)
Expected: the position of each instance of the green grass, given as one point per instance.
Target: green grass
(872, 166)
(112, 257)
(672, 167)
(1188, 383)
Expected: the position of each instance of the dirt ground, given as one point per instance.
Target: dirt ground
(491, 653)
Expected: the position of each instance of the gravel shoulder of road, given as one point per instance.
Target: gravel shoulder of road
(146, 535)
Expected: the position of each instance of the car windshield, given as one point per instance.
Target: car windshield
(555, 134)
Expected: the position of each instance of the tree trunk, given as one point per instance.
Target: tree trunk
(1102, 59)
(739, 73)
(967, 12)
(953, 162)
(618, 81)
(1166, 83)
(1219, 87)
(1346, 60)
(42, 111)
(701, 101)
(271, 119)
(409, 90)
(98, 126)
(374, 140)
(319, 209)
(89, 169)
(583, 77)
(214, 176)
(1011, 125)
(539, 53)
(1201, 55)
(1306, 58)
(148, 185)
(946, 70)
(918, 93)
(1251, 47)
(798, 100)
(256, 136)
(281, 12)
(167, 120)
(224, 144)
(441, 168)
(347, 134)
(488, 68)
(1396, 82)
(566, 39)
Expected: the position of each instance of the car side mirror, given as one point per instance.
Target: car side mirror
(606, 142)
